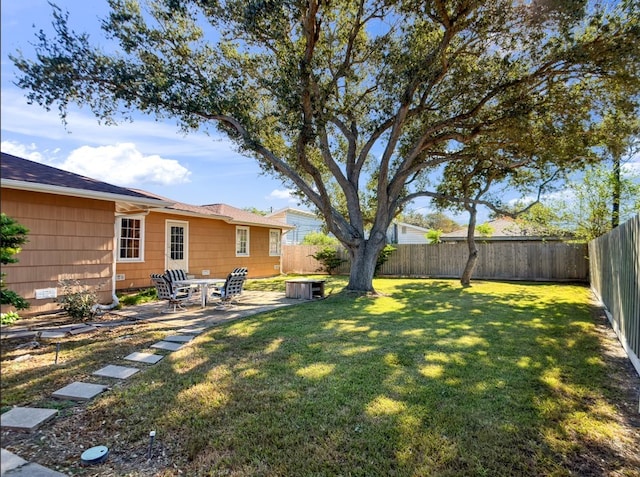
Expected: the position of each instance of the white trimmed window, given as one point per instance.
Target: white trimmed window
(131, 238)
(275, 241)
(242, 241)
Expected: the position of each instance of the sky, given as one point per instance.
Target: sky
(154, 156)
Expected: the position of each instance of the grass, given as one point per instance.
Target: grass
(427, 379)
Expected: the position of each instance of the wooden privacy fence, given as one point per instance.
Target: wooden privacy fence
(504, 260)
(615, 279)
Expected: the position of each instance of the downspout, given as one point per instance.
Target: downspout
(99, 307)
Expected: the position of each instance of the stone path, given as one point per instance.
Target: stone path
(30, 419)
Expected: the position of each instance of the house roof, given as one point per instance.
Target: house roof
(23, 174)
(415, 227)
(503, 229)
(292, 210)
(241, 216)
(224, 212)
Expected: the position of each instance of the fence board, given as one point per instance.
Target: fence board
(508, 260)
(615, 279)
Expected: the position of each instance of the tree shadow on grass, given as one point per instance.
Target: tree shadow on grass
(427, 380)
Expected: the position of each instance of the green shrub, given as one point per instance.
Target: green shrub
(433, 236)
(77, 299)
(13, 236)
(9, 318)
(485, 230)
(329, 259)
(383, 256)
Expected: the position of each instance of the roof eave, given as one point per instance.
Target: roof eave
(258, 224)
(83, 193)
(225, 218)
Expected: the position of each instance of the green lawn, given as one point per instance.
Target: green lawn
(429, 379)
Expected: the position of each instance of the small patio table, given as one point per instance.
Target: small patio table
(203, 284)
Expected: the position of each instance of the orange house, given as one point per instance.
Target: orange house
(111, 238)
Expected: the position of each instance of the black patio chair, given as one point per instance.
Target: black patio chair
(228, 293)
(176, 296)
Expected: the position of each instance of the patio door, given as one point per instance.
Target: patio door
(177, 245)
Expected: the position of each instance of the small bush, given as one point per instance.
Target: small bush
(77, 299)
(9, 318)
(329, 259)
(433, 236)
(383, 256)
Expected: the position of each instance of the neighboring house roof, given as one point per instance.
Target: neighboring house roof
(241, 216)
(291, 210)
(413, 227)
(223, 212)
(23, 174)
(301, 222)
(503, 229)
(403, 233)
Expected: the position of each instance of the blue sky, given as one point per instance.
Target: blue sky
(145, 154)
(154, 156)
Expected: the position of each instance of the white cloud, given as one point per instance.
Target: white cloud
(32, 121)
(280, 194)
(632, 166)
(123, 164)
(21, 150)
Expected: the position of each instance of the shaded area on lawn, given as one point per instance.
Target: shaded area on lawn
(431, 379)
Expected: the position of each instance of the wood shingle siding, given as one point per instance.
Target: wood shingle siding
(69, 238)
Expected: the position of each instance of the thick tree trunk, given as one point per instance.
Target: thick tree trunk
(363, 265)
(472, 260)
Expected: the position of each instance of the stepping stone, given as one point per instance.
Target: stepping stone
(18, 334)
(82, 329)
(195, 331)
(26, 418)
(119, 372)
(49, 335)
(34, 470)
(10, 461)
(79, 391)
(167, 346)
(149, 358)
(18, 467)
(179, 338)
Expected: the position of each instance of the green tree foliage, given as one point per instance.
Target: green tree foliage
(432, 220)
(354, 104)
(13, 236)
(255, 210)
(583, 210)
(318, 238)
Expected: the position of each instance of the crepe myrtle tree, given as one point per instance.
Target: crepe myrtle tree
(325, 93)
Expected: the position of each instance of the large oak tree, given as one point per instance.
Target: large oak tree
(336, 95)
